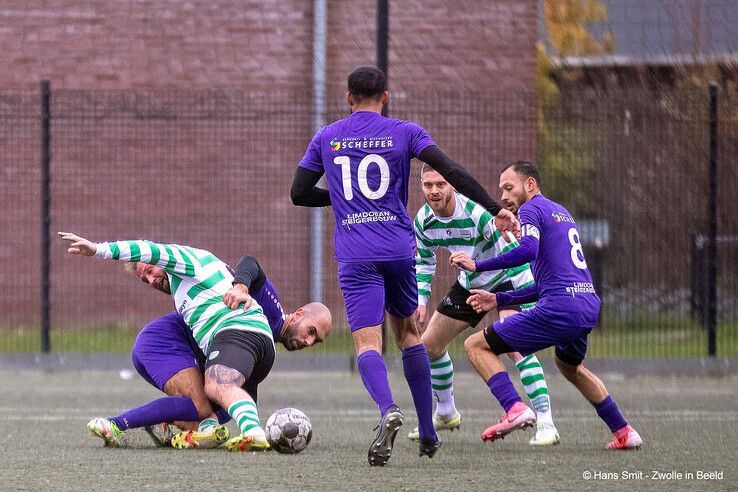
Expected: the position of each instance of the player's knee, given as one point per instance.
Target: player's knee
(475, 343)
(433, 346)
(569, 371)
(211, 388)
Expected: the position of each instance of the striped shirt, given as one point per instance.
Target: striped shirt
(471, 230)
(197, 280)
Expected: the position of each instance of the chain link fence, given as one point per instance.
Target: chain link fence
(213, 170)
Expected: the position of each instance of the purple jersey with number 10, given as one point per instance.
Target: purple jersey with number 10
(560, 270)
(366, 160)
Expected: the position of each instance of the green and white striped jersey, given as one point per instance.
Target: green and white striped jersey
(470, 230)
(198, 280)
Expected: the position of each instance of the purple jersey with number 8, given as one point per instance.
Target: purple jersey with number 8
(560, 270)
(366, 160)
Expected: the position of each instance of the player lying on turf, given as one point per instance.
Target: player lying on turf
(566, 311)
(166, 355)
(238, 343)
(452, 221)
(366, 161)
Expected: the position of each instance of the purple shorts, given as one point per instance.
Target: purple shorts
(163, 348)
(531, 330)
(371, 288)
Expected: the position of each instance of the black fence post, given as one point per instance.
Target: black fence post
(712, 231)
(383, 42)
(382, 62)
(45, 216)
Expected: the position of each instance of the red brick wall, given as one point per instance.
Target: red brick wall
(232, 194)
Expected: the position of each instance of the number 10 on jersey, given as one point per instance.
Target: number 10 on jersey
(384, 176)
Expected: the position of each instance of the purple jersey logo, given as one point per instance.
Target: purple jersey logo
(366, 161)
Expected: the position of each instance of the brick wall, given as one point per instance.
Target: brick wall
(233, 155)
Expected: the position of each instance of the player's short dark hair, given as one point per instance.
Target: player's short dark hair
(367, 82)
(525, 168)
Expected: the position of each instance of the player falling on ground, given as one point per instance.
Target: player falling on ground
(238, 343)
(565, 313)
(366, 160)
(452, 221)
(167, 356)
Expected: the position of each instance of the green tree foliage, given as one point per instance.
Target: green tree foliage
(566, 152)
(566, 23)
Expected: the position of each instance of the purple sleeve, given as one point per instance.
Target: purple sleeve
(524, 253)
(419, 139)
(312, 159)
(517, 297)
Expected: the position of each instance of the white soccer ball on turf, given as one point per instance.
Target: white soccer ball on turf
(289, 430)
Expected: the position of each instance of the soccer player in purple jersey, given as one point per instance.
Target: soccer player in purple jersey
(366, 160)
(166, 355)
(566, 311)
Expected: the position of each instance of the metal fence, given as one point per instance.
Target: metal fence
(213, 169)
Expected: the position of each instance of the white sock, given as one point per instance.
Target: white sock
(442, 380)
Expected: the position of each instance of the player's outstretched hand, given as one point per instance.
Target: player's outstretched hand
(238, 296)
(79, 245)
(463, 261)
(482, 301)
(505, 221)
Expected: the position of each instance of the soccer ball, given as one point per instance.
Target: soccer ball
(288, 430)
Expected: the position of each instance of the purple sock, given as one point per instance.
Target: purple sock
(503, 389)
(608, 411)
(155, 412)
(373, 373)
(417, 373)
(223, 416)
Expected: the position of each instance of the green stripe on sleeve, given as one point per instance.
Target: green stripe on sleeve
(135, 251)
(188, 261)
(172, 262)
(155, 253)
(207, 259)
(115, 250)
